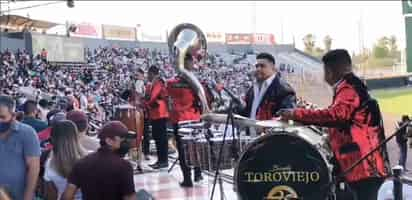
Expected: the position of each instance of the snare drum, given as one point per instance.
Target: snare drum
(209, 152)
(133, 119)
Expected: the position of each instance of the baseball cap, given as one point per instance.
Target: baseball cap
(77, 116)
(112, 129)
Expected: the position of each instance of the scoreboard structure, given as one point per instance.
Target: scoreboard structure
(407, 13)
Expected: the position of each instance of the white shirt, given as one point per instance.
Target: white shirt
(83, 102)
(259, 93)
(140, 88)
(60, 182)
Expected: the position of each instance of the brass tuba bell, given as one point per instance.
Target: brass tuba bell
(188, 39)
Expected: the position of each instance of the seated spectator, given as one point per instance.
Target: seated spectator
(104, 175)
(82, 123)
(66, 151)
(30, 112)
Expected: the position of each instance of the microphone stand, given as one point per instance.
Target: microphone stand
(229, 119)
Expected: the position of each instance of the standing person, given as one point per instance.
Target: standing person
(30, 112)
(139, 84)
(402, 141)
(65, 153)
(355, 126)
(269, 93)
(104, 175)
(81, 121)
(19, 152)
(158, 114)
(185, 106)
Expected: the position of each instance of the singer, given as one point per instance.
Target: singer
(269, 93)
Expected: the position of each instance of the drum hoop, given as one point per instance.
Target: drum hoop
(288, 132)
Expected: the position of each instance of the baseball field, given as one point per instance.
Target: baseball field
(397, 101)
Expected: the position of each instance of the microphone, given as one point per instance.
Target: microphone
(234, 98)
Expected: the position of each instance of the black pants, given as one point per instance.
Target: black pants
(146, 138)
(160, 136)
(403, 153)
(367, 189)
(182, 162)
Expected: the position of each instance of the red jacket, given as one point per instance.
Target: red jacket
(156, 103)
(184, 103)
(353, 130)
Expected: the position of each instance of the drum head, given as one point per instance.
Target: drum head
(282, 166)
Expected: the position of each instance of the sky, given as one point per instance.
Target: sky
(349, 23)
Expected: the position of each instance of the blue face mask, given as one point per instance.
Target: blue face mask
(4, 126)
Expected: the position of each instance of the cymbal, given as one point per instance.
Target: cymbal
(243, 121)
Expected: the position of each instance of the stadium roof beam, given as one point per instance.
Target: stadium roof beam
(18, 22)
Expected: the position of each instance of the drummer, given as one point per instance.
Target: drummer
(184, 106)
(269, 92)
(355, 125)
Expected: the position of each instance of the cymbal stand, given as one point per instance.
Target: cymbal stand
(229, 121)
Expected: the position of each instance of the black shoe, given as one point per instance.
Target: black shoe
(154, 165)
(186, 184)
(198, 178)
(161, 165)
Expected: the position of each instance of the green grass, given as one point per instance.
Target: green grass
(395, 101)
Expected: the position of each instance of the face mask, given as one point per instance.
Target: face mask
(4, 126)
(124, 148)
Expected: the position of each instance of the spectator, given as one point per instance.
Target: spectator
(43, 109)
(20, 154)
(66, 151)
(402, 141)
(82, 123)
(104, 175)
(43, 55)
(30, 113)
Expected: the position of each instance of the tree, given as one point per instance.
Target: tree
(309, 42)
(381, 49)
(327, 42)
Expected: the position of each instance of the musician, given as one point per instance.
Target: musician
(156, 104)
(355, 125)
(269, 92)
(185, 106)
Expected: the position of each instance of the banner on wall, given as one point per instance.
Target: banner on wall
(85, 29)
(238, 38)
(263, 39)
(119, 32)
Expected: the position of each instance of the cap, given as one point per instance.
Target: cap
(77, 116)
(112, 129)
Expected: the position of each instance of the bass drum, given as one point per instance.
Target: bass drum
(289, 163)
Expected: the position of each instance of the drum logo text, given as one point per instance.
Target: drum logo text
(282, 175)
